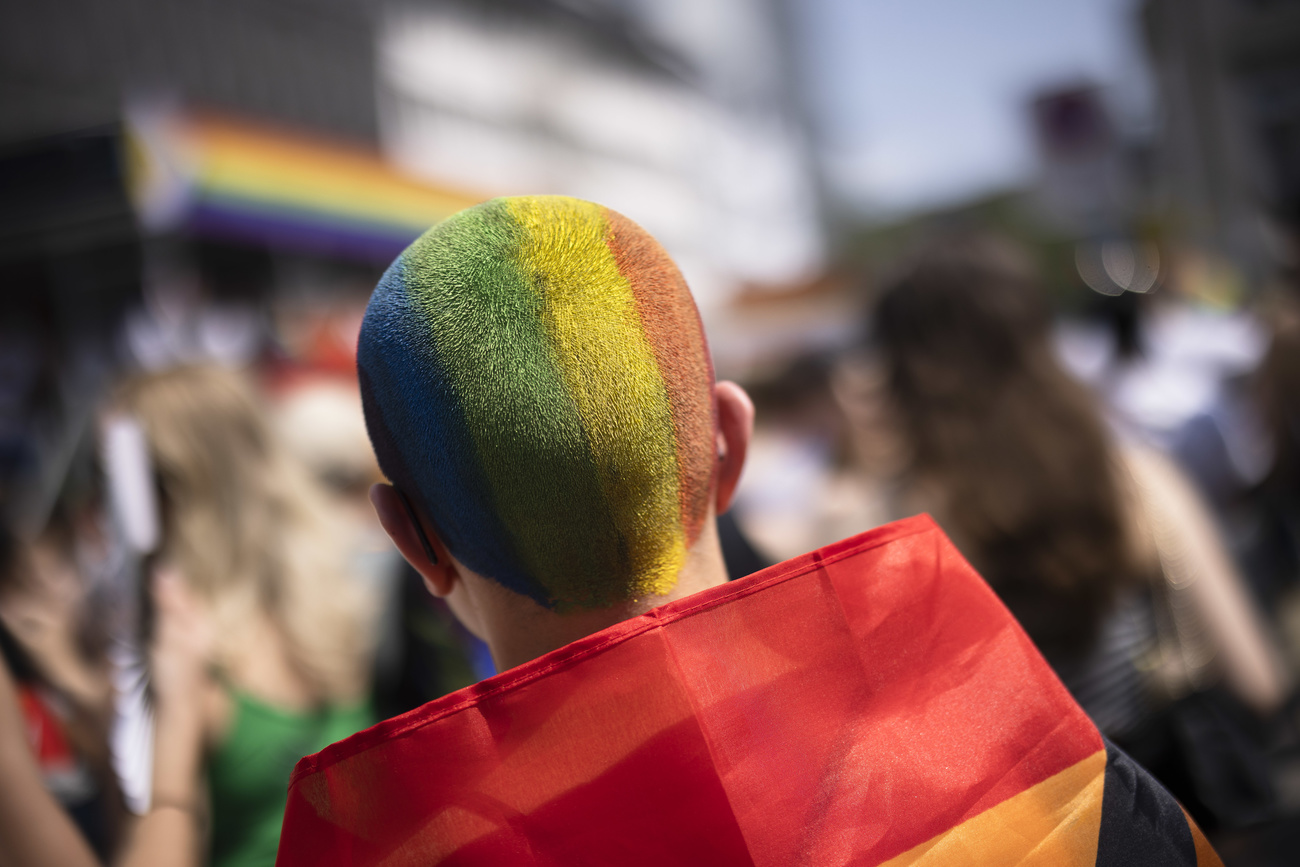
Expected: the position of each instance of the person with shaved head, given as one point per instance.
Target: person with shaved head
(539, 393)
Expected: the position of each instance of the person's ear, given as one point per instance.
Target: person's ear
(735, 426)
(417, 543)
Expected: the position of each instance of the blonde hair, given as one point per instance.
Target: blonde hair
(248, 527)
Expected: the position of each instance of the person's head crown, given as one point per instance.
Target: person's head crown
(535, 378)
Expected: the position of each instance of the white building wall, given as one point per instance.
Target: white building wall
(707, 166)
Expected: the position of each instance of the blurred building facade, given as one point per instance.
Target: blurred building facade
(73, 259)
(686, 116)
(178, 175)
(674, 112)
(1228, 73)
(70, 64)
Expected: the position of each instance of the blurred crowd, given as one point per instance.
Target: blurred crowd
(210, 597)
(205, 605)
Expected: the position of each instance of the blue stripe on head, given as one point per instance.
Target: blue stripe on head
(421, 438)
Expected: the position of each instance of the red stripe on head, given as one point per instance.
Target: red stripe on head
(672, 325)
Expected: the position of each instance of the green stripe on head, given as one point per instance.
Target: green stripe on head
(533, 423)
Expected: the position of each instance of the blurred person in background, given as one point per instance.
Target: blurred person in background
(261, 643)
(1277, 386)
(1243, 452)
(55, 652)
(800, 491)
(1101, 549)
(35, 830)
(422, 651)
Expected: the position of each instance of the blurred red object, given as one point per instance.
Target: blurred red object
(869, 701)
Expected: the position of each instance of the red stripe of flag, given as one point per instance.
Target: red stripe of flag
(850, 704)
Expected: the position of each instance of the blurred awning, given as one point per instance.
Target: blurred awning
(217, 176)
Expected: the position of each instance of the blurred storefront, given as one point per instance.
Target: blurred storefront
(70, 266)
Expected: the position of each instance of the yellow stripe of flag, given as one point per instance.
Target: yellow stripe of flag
(1055, 823)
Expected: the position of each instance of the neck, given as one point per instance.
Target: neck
(517, 629)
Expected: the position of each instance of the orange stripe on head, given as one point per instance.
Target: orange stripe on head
(672, 325)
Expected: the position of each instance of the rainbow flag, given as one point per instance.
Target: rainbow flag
(221, 176)
(870, 703)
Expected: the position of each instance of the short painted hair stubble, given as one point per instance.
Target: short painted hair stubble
(535, 377)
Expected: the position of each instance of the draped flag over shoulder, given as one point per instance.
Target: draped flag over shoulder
(870, 703)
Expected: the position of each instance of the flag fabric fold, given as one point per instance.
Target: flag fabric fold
(868, 703)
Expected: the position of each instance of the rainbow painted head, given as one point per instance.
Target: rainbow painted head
(535, 378)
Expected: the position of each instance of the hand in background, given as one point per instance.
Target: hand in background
(172, 831)
(181, 652)
(42, 611)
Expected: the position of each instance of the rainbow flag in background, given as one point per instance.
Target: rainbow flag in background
(870, 703)
(217, 175)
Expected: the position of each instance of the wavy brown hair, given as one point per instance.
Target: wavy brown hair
(247, 526)
(1012, 451)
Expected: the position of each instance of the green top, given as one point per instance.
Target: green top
(248, 775)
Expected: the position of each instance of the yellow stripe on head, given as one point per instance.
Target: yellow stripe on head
(609, 369)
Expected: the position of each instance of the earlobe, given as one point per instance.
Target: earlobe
(735, 426)
(421, 548)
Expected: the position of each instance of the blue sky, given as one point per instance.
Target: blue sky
(920, 102)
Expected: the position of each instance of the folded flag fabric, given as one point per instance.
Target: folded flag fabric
(870, 703)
